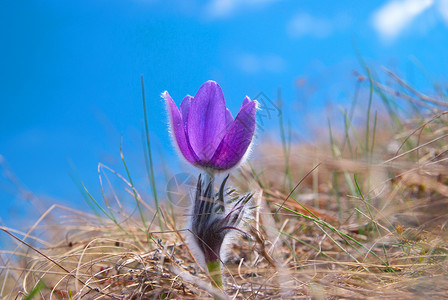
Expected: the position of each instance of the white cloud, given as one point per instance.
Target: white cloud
(394, 17)
(224, 8)
(443, 9)
(252, 64)
(273, 63)
(305, 24)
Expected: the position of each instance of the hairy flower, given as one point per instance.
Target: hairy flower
(211, 222)
(206, 133)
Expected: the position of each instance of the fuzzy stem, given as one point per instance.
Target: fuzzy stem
(214, 268)
(210, 178)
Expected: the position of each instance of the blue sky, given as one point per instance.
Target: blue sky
(70, 73)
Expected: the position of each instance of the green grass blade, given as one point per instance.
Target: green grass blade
(111, 217)
(140, 210)
(369, 107)
(309, 245)
(334, 229)
(150, 166)
(75, 179)
(285, 143)
(35, 291)
(367, 205)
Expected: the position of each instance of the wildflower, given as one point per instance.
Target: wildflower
(210, 138)
(206, 133)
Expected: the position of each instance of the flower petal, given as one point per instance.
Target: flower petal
(245, 101)
(237, 140)
(229, 118)
(185, 109)
(178, 129)
(206, 125)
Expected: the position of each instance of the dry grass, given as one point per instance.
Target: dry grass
(368, 222)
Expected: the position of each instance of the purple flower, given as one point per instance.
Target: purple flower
(205, 131)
